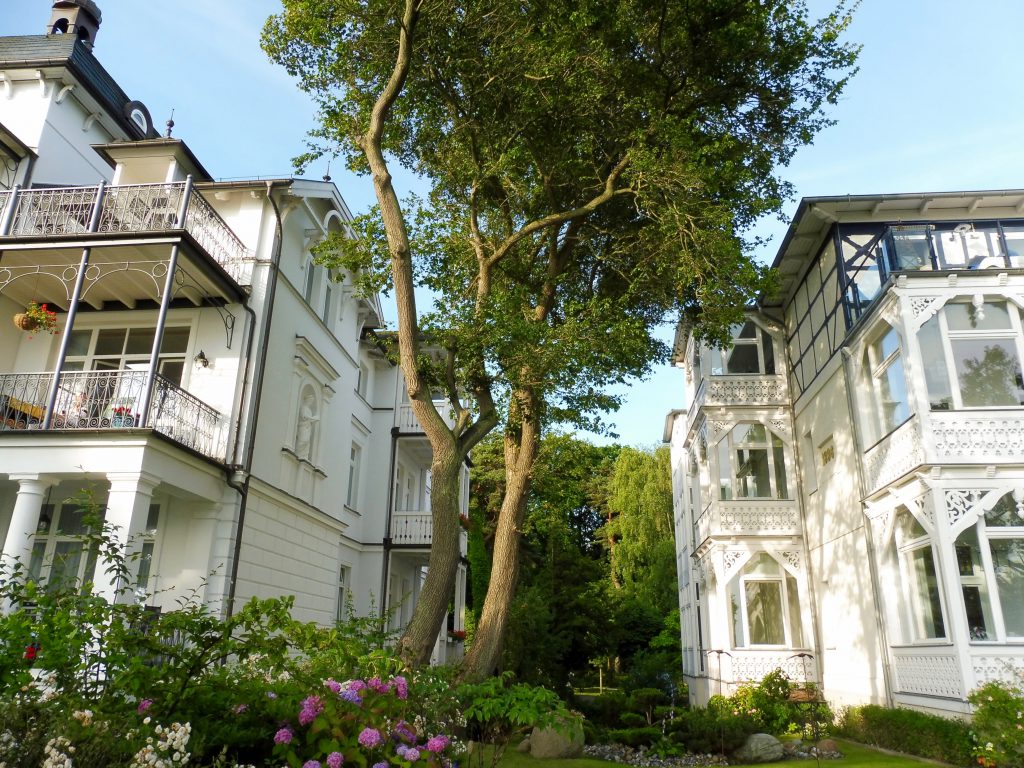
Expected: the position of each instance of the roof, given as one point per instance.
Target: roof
(36, 51)
(816, 215)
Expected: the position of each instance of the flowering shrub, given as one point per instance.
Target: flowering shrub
(360, 722)
(42, 317)
(998, 725)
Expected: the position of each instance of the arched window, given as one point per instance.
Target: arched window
(990, 561)
(752, 351)
(752, 464)
(60, 27)
(883, 364)
(914, 582)
(765, 605)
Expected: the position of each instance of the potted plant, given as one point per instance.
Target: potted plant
(37, 317)
(122, 416)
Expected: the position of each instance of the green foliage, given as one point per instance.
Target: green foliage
(635, 737)
(909, 731)
(997, 728)
(710, 731)
(497, 708)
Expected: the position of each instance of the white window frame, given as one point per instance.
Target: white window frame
(344, 591)
(782, 579)
(732, 447)
(720, 357)
(878, 368)
(355, 468)
(906, 595)
(946, 337)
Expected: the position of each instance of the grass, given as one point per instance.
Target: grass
(854, 756)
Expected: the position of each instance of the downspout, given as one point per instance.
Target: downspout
(868, 540)
(254, 402)
(385, 566)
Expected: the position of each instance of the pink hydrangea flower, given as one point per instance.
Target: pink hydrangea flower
(335, 760)
(311, 707)
(284, 736)
(356, 685)
(239, 708)
(401, 686)
(377, 685)
(311, 764)
(144, 705)
(412, 754)
(370, 738)
(333, 685)
(437, 744)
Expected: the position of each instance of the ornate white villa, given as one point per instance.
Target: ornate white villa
(849, 476)
(224, 399)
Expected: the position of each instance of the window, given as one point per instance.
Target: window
(916, 589)
(765, 605)
(990, 560)
(752, 464)
(116, 349)
(752, 352)
(310, 284)
(971, 353)
(326, 315)
(147, 549)
(344, 592)
(354, 469)
(888, 385)
(363, 380)
(60, 555)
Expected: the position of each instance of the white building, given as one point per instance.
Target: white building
(849, 476)
(224, 398)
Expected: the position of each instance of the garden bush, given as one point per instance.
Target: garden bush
(909, 731)
(713, 730)
(89, 682)
(997, 729)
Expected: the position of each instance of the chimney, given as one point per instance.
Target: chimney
(75, 17)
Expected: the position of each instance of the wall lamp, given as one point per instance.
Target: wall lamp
(201, 360)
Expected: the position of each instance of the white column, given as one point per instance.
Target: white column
(131, 494)
(25, 517)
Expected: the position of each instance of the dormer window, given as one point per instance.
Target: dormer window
(752, 352)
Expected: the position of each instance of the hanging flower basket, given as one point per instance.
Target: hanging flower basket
(37, 317)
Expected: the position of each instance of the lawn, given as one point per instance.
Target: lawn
(854, 756)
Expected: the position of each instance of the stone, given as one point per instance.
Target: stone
(555, 744)
(759, 748)
(827, 745)
(524, 745)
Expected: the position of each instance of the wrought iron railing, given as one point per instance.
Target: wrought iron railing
(416, 528)
(111, 400)
(126, 208)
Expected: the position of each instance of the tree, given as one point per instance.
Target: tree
(561, 619)
(643, 562)
(591, 167)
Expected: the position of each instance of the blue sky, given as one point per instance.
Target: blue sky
(936, 106)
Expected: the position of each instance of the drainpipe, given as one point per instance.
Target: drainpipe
(252, 419)
(869, 542)
(76, 297)
(386, 563)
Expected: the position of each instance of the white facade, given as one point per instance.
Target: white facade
(224, 398)
(849, 476)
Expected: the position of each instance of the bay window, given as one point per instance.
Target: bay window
(751, 352)
(971, 352)
(765, 605)
(888, 384)
(914, 581)
(990, 560)
(752, 464)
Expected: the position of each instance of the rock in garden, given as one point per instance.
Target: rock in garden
(524, 745)
(827, 745)
(759, 748)
(556, 743)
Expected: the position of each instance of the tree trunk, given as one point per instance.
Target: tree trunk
(419, 637)
(489, 638)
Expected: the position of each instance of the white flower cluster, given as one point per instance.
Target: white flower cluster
(58, 753)
(168, 750)
(83, 716)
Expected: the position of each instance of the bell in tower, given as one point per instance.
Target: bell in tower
(75, 17)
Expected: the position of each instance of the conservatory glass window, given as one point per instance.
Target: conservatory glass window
(765, 605)
(918, 591)
(884, 362)
(751, 352)
(990, 558)
(752, 464)
(971, 352)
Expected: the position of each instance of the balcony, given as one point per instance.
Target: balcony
(100, 216)
(416, 529)
(741, 665)
(109, 400)
(751, 517)
(406, 421)
(757, 390)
